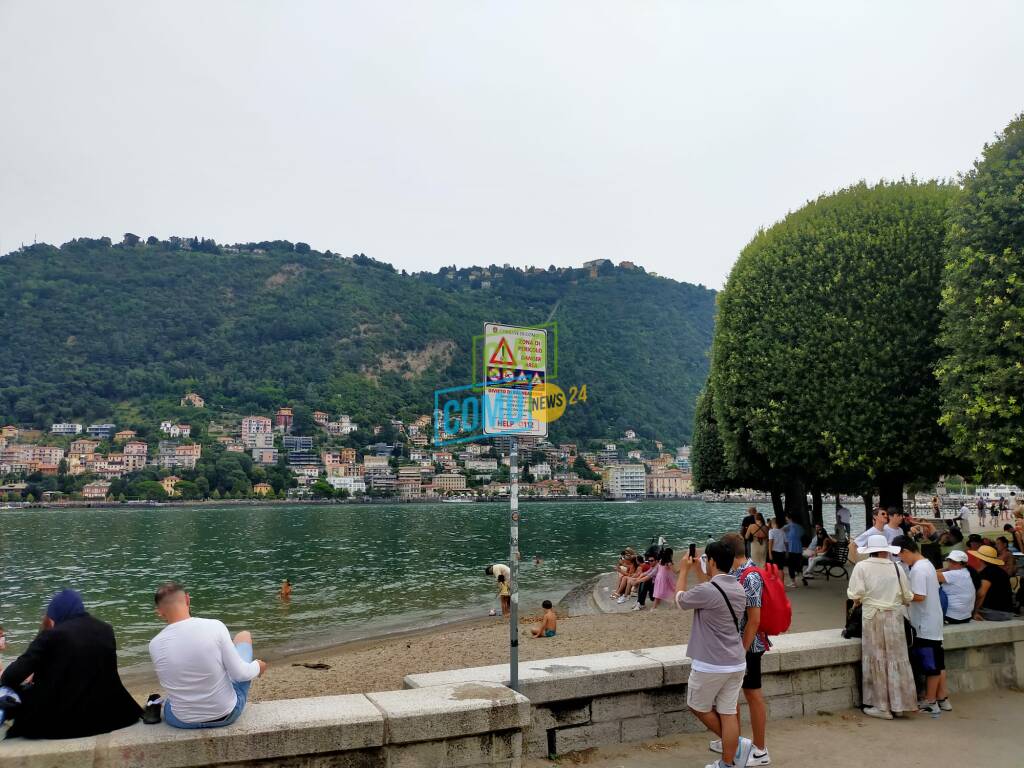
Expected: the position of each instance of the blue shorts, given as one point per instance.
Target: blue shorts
(241, 693)
(549, 633)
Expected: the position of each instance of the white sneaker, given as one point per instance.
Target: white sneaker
(757, 756)
(743, 751)
(881, 714)
(944, 705)
(621, 600)
(637, 607)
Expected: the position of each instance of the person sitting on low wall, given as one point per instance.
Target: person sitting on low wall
(205, 674)
(995, 598)
(76, 690)
(958, 585)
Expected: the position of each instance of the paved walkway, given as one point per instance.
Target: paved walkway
(983, 729)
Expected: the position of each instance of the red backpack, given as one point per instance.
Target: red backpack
(776, 612)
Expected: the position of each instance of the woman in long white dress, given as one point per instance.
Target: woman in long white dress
(882, 589)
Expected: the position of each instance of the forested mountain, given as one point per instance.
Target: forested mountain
(99, 331)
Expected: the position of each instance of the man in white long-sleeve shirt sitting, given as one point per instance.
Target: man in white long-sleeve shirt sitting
(205, 675)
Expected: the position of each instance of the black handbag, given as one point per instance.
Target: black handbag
(854, 621)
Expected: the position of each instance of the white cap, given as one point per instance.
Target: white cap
(957, 556)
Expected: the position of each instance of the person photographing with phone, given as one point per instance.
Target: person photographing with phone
(716, 648)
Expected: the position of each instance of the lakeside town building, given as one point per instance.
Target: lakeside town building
(283, 419)
(625, 481)
(407, 466)
(669, 483)
(168, 484)
(101, 431)
(96, 491)
(253, 426)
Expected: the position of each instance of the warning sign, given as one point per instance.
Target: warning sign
(503, 355)
(515, 363)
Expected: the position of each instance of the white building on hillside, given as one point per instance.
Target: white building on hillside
(625, 481)
(354, 485)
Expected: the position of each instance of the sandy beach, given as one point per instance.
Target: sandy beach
(380, 664)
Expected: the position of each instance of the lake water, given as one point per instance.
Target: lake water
(357, 570)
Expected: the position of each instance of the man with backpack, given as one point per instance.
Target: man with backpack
(754, 582)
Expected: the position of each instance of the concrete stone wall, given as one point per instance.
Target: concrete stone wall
(455, 726)
(469, 717)
(588, 701)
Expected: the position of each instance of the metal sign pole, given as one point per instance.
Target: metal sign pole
(513, 546)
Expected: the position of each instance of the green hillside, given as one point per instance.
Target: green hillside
(91, 331)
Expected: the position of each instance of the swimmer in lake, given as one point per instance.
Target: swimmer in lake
(286, 590)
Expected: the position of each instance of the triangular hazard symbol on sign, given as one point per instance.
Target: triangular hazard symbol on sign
(503, 354)
(537, 379)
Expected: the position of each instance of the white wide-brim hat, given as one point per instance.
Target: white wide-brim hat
(878, 543)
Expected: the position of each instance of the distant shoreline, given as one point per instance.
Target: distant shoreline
(17, 505)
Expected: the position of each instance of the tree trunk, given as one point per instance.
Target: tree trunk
(796, 502)
(777, 507)
(869, 509)
(890, 491)
(817, 516)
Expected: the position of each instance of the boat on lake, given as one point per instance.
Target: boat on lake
(996, 492)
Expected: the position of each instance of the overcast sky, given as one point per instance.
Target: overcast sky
(431, 133)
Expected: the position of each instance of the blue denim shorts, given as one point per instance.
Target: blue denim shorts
(241, 693)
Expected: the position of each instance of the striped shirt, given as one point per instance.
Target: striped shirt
(753, 587)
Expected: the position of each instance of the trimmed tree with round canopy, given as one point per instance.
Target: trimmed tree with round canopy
(825, 345)
(981, 377)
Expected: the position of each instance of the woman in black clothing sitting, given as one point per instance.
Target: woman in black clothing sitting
(75, 689)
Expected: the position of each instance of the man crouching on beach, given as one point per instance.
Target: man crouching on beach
(716, 648)
(205, 675)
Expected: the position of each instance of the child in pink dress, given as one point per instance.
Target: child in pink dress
(665, 578)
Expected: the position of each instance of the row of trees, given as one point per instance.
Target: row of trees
(871, 339)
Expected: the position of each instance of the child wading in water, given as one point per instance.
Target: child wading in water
(505, 595)
(549, 624)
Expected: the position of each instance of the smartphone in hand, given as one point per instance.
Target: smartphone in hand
(693, 551)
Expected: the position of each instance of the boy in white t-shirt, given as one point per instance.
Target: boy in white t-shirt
(927, 654)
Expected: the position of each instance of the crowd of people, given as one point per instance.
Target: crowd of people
(898, 603)
(67, 685)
